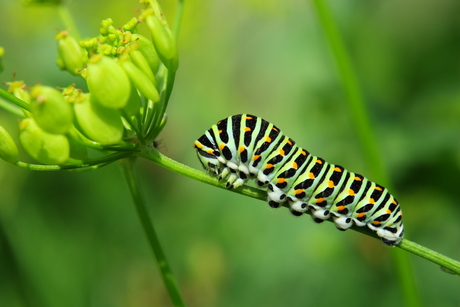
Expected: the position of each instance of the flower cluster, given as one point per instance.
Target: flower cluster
(129, 78)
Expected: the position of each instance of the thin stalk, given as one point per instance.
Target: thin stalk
(127, 168)
(88, 165)
(10, 97)
(365, 134)
(68, 21)
(178, 18)
(13, 109)
(414, 248)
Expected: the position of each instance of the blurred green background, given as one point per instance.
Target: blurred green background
(70, 239)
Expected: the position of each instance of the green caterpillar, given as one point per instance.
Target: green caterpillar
(244, 147)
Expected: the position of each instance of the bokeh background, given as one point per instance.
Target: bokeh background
(69, 239)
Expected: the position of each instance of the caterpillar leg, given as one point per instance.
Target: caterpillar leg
(298, 207)
(343, 222)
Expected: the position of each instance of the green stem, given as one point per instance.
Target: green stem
(13, 109)
(187, 171)
(365, 133)
(178, 18)
(10, 97)
(68, 21)
(127, 167)
(88, 165)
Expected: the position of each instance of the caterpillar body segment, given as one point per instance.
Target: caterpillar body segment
(245, 147)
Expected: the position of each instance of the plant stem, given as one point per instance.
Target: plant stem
(178, 18)
(127, 168)
(14, 99)
(12, 108)
(88, 165)
(68, 21)
(187, 171)
(365, 134)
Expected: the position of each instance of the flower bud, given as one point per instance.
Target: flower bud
(141, 81)
(50, 109)
(44, 147)
(78, 151)
(8, 148)
(131, 25)
(108, 83)
(147, 49)
(141, 62)
(134, 103)
(164, 42)
(71, 57)
(98, 123)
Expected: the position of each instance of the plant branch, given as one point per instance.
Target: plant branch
(88, 165)
(178, 18)
(127, 168)
(187, 171)
(14, 99)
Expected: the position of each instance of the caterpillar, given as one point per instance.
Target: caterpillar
(244, 147)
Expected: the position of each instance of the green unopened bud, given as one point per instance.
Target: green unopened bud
(141, 62)
(108, 83)
(99, 124)
(106, 27)
(164, 42)
(134, 103)
(50, 109)
(8, 148)
(131, 25)
(148, 50)
(78, 151)
(71, 56)
(44, 147)
(141, 81)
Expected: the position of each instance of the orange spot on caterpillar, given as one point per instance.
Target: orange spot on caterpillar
(256, 157)
(378, 188)
(340, 208)
(361, 214)
(304, 152)
(330, 184)
(220, 131)
(319, 161)
(241, 149)
(371, 201)
(269, 166)
(268, 139)
(311, 175)
(247, 129)
(298, 191)
(210, 151)
(294, 165)
(357, 178)
(319, 200)
(351, 192)
(222, 146)
(198, 145)
(388, 211)
(281, 180)
(282, 152)
(376, 223)
(337, 169)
